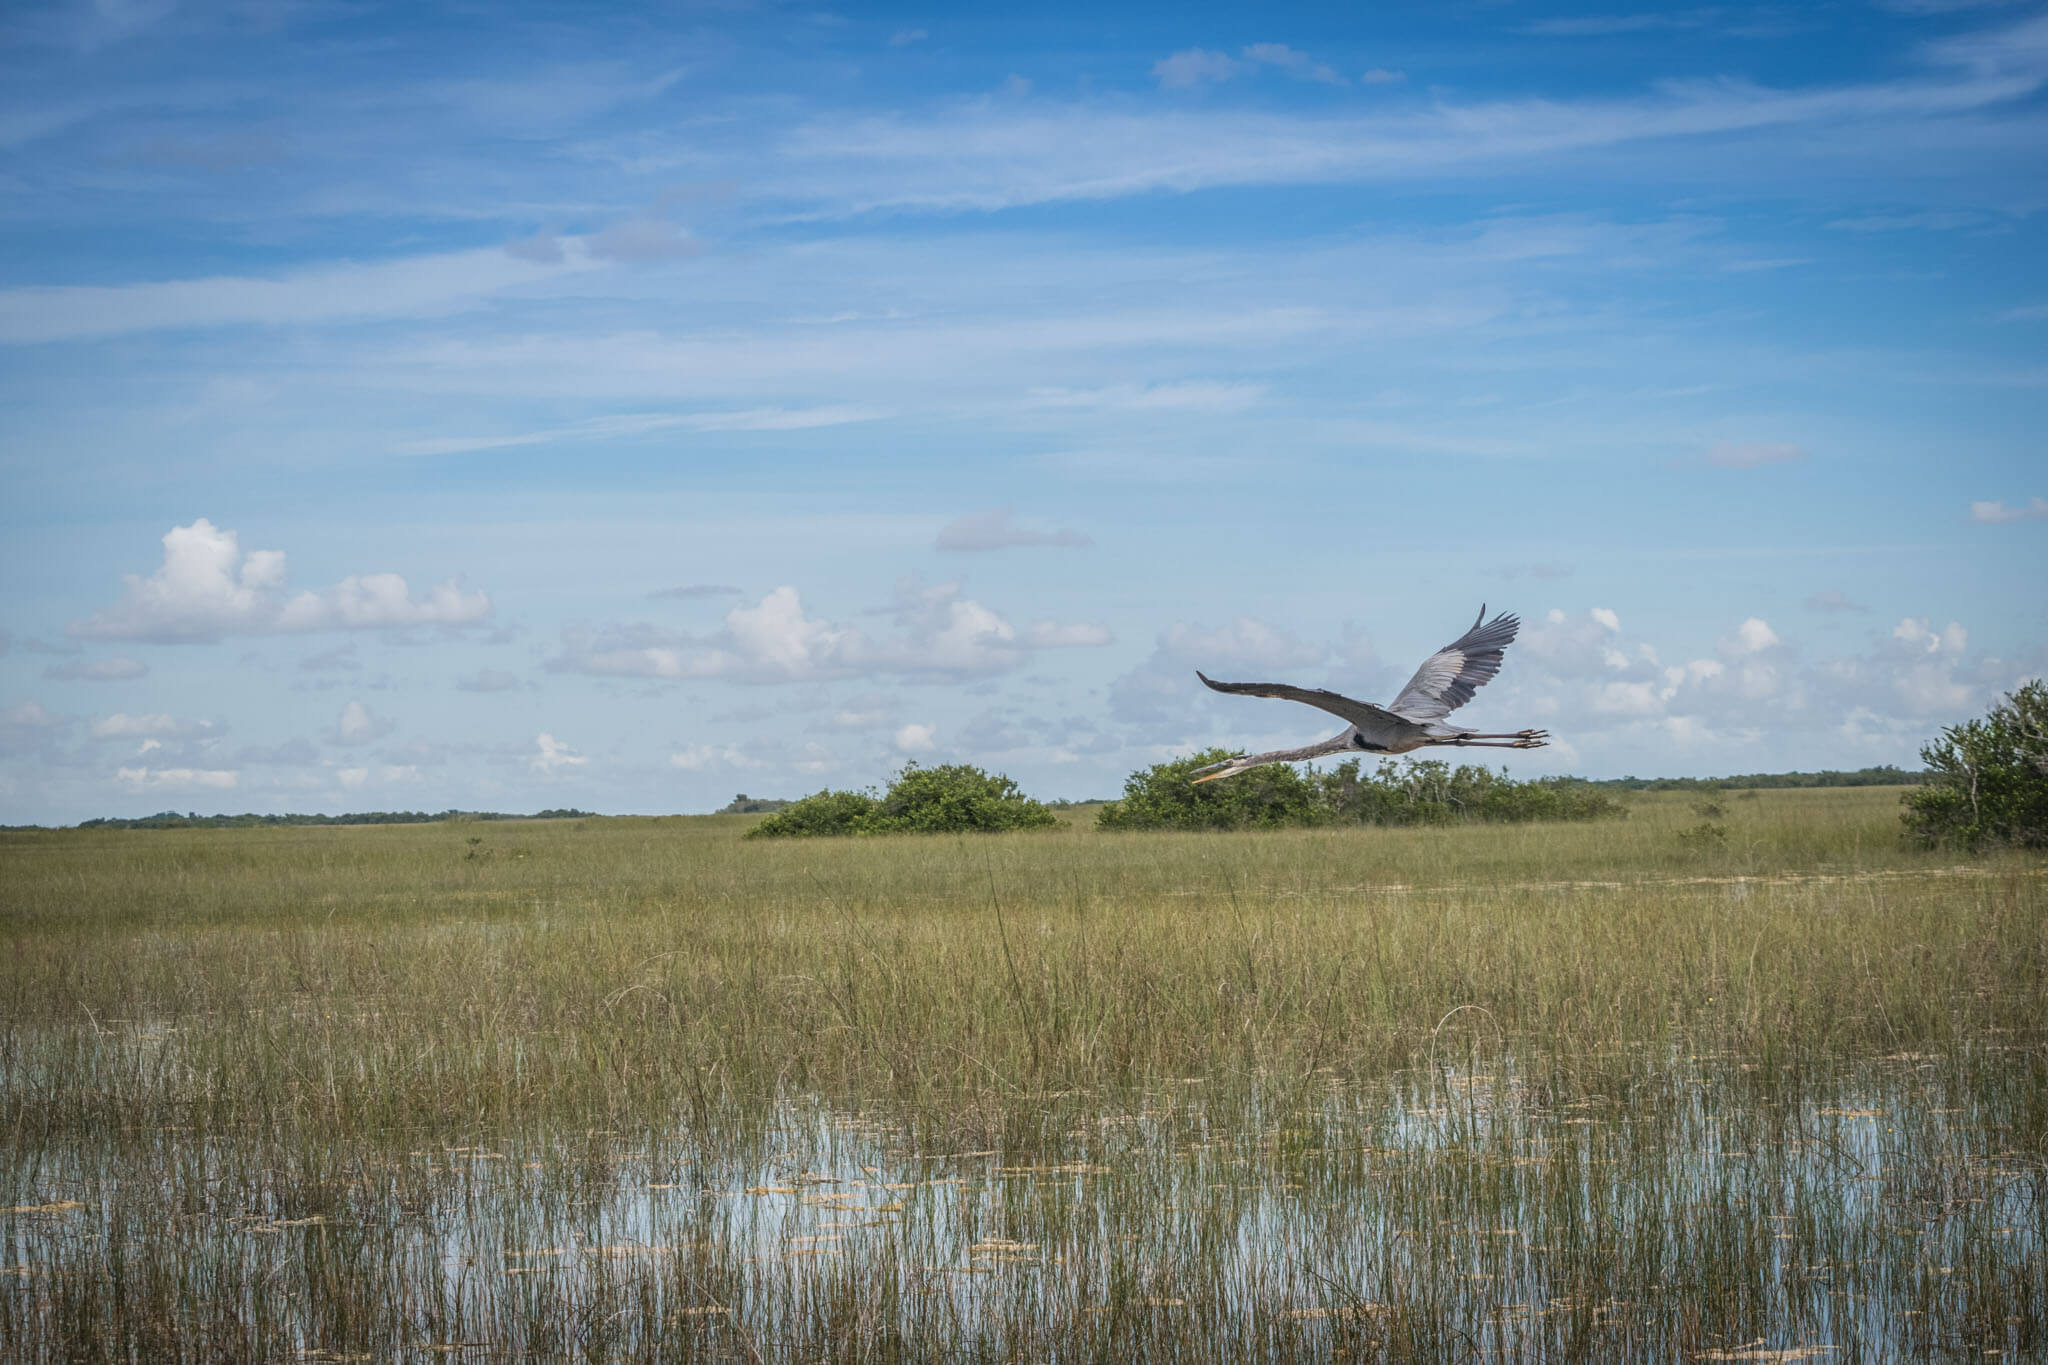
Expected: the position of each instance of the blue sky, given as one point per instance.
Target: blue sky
(413, 406)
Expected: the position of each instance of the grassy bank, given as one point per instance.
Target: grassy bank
(1719, 1073)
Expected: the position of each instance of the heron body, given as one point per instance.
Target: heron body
(1413, 720)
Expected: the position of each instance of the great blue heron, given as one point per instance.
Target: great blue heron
(1445, 682)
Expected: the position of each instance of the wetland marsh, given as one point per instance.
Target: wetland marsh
(638, 1089)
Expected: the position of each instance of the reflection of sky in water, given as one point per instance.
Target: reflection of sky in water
(1457, 1180)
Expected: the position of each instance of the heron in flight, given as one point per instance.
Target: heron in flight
(1445, 682)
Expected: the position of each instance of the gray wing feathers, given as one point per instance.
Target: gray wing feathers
(1360, 713)
(1449, 677)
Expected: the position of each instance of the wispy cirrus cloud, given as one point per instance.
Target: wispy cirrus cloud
(624, 425)
(404, 287)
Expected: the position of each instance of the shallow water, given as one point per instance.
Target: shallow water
(1452, 1206)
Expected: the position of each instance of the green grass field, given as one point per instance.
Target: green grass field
(637, 1089)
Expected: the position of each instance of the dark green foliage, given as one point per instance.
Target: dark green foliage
(1424, 793)
(1987, 780)
(744, 804)
(953, 798)
(1885, 776)
(825, 812)
(1164, 797)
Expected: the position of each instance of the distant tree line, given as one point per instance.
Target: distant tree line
(171, 819)
(1280, 795)
(1885, 776)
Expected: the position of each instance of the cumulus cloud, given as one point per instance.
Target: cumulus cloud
(117, 669)
(208, 588)
(553, 756)
(1992, 513)
(997, 529)
(357, 724)
(1752, 454)
(938, 631)
(915, 739)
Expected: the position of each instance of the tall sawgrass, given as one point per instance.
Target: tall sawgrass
(1537, 1091)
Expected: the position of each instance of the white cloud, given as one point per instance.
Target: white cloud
(1192, 68)
(1992, 513)
(1754, 636)
(698, 757)
(997, 529)
(903, 37)
(207, 588)
(1753, 454)
(178, 779)
(938, 631)
(554, 755)
(352, 778)
(624, 425)
(1294, 62)
(1606, 618)
(1380, 75)
(357, 724)
(407, 287)
(992, 156)
(915, 739)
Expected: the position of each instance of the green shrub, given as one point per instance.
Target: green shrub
(1987, 780)
(1165, 797)
(953, 798)
(826, 812)
(1429, 792)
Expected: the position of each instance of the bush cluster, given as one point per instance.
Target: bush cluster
(1280, 795)
(953, 798)
(1987, 780)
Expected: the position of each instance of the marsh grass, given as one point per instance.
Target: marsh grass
(640, 1089)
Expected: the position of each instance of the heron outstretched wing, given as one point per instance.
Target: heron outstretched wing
(1363, 714)
(1449, 677)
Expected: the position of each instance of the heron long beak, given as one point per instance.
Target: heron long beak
(1210, 778)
